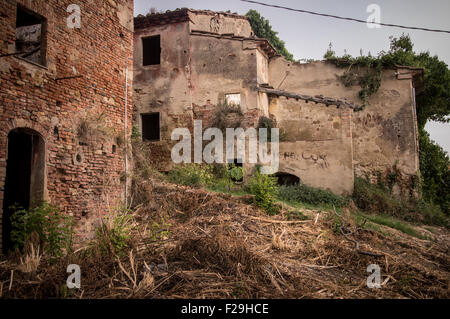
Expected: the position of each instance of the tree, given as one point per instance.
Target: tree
(263, 29)
(434, 102)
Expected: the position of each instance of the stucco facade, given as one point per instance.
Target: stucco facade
(206, 56)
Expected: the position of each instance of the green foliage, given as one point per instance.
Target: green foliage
(433, 103)
(310, 195)
(54, 229)
(221, 117)
(235, 173)
(194, 175)
(367, 74)
(114, 234)
(269, 124)
(263, 29)
(135, 133)
(380, 200)
(434, 164)
(265, 189)
(159, 230)
(392, 223)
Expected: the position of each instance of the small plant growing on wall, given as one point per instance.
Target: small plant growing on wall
(269, 124)
(227, 116)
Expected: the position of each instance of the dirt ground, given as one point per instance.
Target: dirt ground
(191, 243)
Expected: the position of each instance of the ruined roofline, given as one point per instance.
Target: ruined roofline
(307, 98)
(264, 44)
(176, 16)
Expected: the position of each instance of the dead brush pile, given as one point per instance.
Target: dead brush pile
(190, 243)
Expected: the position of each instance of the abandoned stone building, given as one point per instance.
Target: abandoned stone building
(63, 114)
(188, 62)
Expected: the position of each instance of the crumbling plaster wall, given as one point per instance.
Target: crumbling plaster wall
(164, 88)
(383, 134)
(220, 23)
(318, 146)
(32, 97)
(196, 72)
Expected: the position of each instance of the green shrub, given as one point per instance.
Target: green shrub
(372, 198)
(54, 229)
(235, 173)
(310, 195)
(114, 234)
(265, 189)
(378, 199)
(135, 133)
(194, 175)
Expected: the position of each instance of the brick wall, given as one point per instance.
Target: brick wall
(81, 118)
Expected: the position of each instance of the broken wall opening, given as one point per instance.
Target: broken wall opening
(25, 177)
(151, 126)
(30, 36)
(151, 50)
(285, 179)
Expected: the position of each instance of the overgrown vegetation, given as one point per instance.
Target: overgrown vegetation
(432, 104)
(315, 196)
(265, 189)
(379, 199)
(195, 175)
(227, 116)
(269, 124)
(263, 29)
(113, 236)
(46, 224)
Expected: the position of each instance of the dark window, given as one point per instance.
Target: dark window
(150, 127)
(151, 50)
(30, 36)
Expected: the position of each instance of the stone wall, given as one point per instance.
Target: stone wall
(75, 102)
(384, 134)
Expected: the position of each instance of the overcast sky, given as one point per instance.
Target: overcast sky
(308, 36)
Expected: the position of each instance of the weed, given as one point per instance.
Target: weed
(114, 234)
(53, 229)
(159, 230)
(194, 175)
(265, 189)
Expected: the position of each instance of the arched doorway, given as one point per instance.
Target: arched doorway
(285, 179)
(25, 176)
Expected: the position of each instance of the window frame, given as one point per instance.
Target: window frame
(44, 34)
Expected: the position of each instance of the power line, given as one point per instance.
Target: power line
(345, 18)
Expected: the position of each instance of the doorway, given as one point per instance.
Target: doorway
(25, 177)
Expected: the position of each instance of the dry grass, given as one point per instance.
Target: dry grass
(221, 247)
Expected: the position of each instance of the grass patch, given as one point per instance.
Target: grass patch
(302, 193)
(391, 222)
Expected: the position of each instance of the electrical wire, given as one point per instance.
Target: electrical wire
(345, 18)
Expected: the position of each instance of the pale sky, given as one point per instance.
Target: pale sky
(308, 36)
